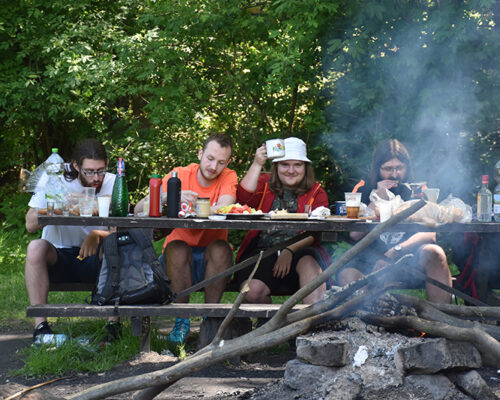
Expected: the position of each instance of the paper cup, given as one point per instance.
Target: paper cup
(104, 203)
(275, 148)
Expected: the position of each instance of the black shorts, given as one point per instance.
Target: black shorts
(68, 268)
(265, 272)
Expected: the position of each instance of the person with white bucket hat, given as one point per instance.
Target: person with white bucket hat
(290, 186)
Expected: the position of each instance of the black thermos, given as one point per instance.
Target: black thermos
(173, 196)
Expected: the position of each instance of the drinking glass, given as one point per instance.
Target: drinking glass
(352, 202)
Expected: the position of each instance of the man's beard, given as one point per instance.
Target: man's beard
(86, 183)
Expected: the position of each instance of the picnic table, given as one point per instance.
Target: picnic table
(324, 226)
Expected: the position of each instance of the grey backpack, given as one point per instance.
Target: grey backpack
(130, 272)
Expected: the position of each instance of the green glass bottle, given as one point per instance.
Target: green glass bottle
(119, 198)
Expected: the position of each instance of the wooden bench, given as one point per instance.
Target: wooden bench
(140, 315)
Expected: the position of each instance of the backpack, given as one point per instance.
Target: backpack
(130, 272)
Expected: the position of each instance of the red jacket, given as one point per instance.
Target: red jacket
(262, 199)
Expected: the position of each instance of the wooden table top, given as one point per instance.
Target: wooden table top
(313, 225)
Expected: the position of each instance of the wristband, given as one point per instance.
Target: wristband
(290, 250)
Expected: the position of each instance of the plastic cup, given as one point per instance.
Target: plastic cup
(308, 209)
(50, 208)
(385, 210)
(65, 208)
(86, 202)
(104, 203)
(432, 194)
(275, 148)
(352, 203)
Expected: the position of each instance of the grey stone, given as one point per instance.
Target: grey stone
(329, 352)
(343, 387)
(299, 375)
(436, 387)
(437, 355)
(473, 384)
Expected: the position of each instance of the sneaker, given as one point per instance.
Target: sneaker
(113, 332)
(180, 330)
(42, 329)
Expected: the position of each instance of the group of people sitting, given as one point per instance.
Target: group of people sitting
(69, 253)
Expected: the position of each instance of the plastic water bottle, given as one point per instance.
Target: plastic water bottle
(50, 339)
(496, 194)
(55, 190)
(119, 197)
(484, 201)
(155, 196)
(173, 196)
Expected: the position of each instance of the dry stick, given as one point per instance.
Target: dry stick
(486, 345)
(279, 318)
(240, 345)
(150, 393)
(17, 394)
(237, 303)
(480, 313)
(428, 311)
(216, 355)
(341, 295)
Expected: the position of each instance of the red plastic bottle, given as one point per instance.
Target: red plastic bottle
(155, 196)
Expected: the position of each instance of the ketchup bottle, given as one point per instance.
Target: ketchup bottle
(155, 196)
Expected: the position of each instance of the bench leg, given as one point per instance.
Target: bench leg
(141, 326)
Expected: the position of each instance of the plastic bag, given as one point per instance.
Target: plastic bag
(394, 201)
(450, 210)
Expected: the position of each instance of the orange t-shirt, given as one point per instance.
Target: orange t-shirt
(224, 184)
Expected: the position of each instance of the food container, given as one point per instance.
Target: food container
(203, 207)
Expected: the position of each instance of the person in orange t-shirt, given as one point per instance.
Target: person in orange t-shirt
(193, 255)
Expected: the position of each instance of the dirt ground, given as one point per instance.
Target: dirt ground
(223, 381)
(256, 377)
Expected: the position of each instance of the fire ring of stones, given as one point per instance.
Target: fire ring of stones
(353, 360)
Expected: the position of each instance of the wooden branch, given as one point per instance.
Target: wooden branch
(237, 303)
(486, 345)
(479, 313)
(25, 390)
(428, 311)
(280, 316)
(232, 348)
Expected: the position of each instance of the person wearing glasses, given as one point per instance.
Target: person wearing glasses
(391, 169)
(290, 186)
(67, 253)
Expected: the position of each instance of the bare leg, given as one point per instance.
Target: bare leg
(348, 275)
(39, 255)
(308, 269)
(218, 258)
(433, 262)
(178, 260)
(259, 292)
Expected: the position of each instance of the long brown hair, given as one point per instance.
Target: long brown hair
(386, 151)
(307, 183)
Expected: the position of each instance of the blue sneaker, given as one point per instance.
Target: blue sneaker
(180, 330)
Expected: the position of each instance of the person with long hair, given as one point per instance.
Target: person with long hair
(390, 169)
(290, 186)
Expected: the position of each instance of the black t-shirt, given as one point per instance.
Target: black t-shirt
(402, 189)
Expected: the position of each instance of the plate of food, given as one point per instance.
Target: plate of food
(238, 211)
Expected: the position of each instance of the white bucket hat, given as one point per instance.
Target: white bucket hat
(295, 149)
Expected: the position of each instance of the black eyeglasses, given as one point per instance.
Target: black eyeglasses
(91, 172)
(399, 168)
